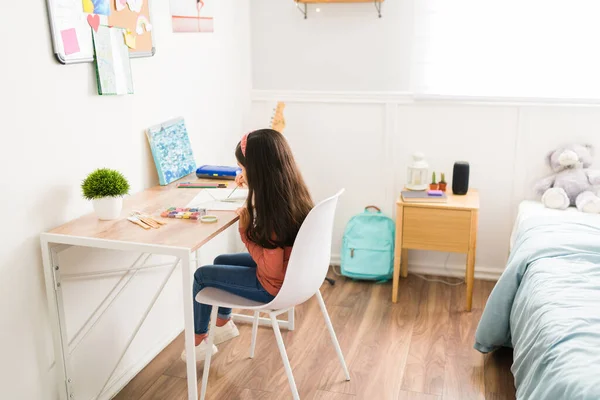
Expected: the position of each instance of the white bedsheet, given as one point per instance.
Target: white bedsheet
(528, 209)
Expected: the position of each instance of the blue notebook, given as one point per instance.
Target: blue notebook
(217, 172)
(171, 150)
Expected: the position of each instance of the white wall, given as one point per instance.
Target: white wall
(352, 122)
(56, 129)
(343, 47)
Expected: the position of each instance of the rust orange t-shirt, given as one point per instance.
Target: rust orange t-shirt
(271, 264)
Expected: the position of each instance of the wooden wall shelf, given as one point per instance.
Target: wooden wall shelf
(338, 1)
(303, 4)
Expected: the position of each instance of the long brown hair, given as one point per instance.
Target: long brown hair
(278, 199)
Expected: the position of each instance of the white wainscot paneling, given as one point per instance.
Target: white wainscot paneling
(485, 137)
(340, 146)
(364, 142)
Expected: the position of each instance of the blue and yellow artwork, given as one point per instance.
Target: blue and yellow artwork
(172, 150)
(100, 7)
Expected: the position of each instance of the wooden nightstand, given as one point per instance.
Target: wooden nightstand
(448, 227)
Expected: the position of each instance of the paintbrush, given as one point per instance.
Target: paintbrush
(232, 192)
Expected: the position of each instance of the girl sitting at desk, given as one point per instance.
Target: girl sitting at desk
(278, 202)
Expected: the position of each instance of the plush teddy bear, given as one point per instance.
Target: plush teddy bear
(572, 183)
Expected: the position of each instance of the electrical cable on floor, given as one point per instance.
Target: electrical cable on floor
(334, 271)
(422, 276)
(441, 280)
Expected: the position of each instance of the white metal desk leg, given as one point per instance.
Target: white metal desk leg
(208, 354)
(291, 320)
(60, 348)
(188, 317)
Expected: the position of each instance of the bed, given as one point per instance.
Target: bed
(546, 305)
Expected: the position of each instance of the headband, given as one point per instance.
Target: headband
(243, 143)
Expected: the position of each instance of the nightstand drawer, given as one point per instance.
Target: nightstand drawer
(436, 229)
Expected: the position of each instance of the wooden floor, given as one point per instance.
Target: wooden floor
(418, 349)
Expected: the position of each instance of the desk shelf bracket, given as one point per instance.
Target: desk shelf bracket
(378, 4)
(303, 9)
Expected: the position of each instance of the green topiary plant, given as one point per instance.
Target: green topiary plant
(443, 178)
(104, 182)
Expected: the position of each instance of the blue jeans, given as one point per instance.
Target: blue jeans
(234, 273)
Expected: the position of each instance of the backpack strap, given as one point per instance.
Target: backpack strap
(372, 207)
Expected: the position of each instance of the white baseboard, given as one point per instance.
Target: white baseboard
(117, 385)
(458, 271)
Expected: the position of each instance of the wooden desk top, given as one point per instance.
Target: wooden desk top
(177, 233)
(470, 201)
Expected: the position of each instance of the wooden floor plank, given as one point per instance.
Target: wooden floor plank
(325, 395)
(167, 387)
(249, 394)
(426, 363)
(148, 376)
(498, 380)
(420, 348)
(464, 372)
(404, 395)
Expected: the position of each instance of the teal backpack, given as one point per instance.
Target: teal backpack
(368, 246)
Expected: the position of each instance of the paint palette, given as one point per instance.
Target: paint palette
(184, 213)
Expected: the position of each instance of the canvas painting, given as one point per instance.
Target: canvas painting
(171, 150)
(192, 15)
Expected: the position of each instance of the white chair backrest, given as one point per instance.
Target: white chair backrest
(310, 258)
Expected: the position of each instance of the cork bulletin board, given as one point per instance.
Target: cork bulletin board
(71, 31)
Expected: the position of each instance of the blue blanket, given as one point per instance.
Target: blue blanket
(546, 305)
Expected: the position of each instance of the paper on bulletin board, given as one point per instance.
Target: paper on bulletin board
(135, 17)
(73, 39)
(112, 61)
(70, 41)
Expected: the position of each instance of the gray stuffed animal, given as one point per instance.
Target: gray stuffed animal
(572, 183)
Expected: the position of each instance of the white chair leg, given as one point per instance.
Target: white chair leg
(254, 333)
(336, 344)
(291, 320)
(284, 357)
(211, 339)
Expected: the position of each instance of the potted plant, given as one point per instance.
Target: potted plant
(433, 185)
(443, 183)
(106, 188)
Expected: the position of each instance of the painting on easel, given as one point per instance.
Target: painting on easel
(192, 15)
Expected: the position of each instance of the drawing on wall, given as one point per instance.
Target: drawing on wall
(135, 5)
(192, 15)
(120, 5)
(101, 7)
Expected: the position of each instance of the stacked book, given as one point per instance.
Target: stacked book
(424, 196)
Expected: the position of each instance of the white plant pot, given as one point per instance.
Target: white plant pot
(108, 208)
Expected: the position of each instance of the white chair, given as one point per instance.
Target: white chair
(306, 271)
